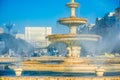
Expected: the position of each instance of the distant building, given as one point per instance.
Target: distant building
(83, 29)
(91, 26)
(21, 36)
(108, 27)
(2, 45)
(37, 36)
(117, 11)
(1, 30)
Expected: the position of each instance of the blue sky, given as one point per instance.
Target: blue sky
(47, 12)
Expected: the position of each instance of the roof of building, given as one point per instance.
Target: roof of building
(111, 14)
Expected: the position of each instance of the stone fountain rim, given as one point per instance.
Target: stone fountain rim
(72, 35)
(72, 4)
(68, 38)
(72, 19)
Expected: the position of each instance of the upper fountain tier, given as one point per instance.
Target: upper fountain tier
(72, 5)
(72, 21)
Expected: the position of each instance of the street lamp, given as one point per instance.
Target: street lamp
(9, 27)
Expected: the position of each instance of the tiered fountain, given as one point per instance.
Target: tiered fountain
(72, 63)
(73, 40)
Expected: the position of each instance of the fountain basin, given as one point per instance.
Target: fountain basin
(73, 21)
(73, 38)
(86, 66)
(63, 67)
(67, 67)
(71, 4)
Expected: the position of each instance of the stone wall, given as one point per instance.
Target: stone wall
(60, 78)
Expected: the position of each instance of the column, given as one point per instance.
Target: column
(72, 1)
(72, 12)
(18, 71)
(72, 29)
(73, 51)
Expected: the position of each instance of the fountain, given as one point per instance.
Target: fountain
(73, 40)
(73, 62)
(18, 71)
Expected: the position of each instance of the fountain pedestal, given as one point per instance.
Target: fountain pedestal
(100, 72)
(73, 55)
(73, 51)
(18, 71)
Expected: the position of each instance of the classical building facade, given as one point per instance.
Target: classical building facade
(109, 28)
(109, 24)
(117, 11)
(21, 36)
(2, 43)
(106, 25)
(36, 36)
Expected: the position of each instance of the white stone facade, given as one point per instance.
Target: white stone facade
(21, 36)
(37, 36)
(1, 30)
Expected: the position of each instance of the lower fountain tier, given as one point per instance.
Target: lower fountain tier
(62, 67)
(72, 21)
(73, 38)
(74, 60)
(60, 78)
(67, 67)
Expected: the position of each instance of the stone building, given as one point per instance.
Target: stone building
(1, 30)
(37, 36)
(109, 28)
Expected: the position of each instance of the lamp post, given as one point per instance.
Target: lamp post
(9, 27)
